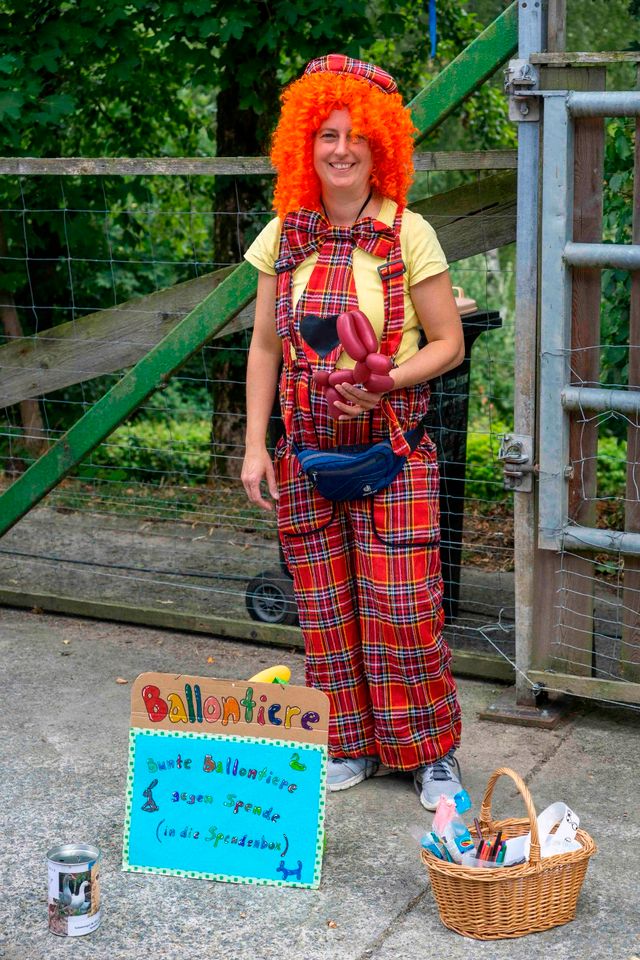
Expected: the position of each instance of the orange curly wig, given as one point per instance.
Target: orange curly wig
(380, 117)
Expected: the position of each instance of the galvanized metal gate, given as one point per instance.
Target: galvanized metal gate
(565, 402)
(566, 658)
(559, 547)
(560, 255)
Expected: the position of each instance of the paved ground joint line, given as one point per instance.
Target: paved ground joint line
(371, 950)
(565, 729)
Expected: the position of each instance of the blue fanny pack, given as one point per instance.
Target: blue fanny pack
(355, 471)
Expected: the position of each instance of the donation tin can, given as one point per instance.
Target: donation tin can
(74, 889)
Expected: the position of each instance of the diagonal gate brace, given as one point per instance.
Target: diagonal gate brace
(149, 374)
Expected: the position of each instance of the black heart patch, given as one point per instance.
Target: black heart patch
(320, 333)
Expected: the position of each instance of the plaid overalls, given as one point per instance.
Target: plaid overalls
(366, 572)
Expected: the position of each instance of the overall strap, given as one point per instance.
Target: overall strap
(392, 273)
(284, 268)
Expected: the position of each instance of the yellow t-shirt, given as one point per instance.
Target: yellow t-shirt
(422, 254)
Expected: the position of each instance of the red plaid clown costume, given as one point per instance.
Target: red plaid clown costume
(366, 572)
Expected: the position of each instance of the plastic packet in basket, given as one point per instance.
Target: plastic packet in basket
(551, 844)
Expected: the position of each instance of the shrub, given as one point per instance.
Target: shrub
(611, 468)
(484, 474)
(153, 452)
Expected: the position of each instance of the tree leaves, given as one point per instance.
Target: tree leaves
(54, 108)
(142, 78)
(9, 63)
(11, 103)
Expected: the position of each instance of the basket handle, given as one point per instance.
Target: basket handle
(485, 809)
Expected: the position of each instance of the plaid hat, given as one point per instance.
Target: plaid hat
(338, 63)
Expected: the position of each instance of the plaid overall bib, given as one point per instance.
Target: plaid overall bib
(366, 572)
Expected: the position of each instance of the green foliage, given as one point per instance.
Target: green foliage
(177, 451)
(167, 441)
(617, 227)
(146, 83)
(481, 123)
(129, 80)
(484, 475)
(173, 451)
(183, 397)
(490, 280)
(611, 468)
(614, 25)
(590, 24)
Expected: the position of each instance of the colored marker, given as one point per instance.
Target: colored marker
(502, 852)
(496, 846)
(447, 855)
(479, 850)
(431, 843)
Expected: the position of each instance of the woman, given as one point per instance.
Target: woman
(367, 571)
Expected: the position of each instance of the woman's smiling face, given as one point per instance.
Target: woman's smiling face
(342, 162)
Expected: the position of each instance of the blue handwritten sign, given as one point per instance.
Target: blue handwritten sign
(227, 804)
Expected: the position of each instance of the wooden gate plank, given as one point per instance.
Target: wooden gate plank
(576, 597)
(99, 343)
(470, 219)
(474, 217)
(136, 385)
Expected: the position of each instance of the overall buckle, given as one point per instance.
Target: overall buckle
(392, 268)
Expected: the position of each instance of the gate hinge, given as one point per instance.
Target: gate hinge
(520, 80)
(516, 453)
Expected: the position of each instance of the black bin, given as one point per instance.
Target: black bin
(447, 427)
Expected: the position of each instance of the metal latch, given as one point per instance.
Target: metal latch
(520, 79)
(516, 452)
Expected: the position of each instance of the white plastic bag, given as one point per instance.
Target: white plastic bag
(551, 844)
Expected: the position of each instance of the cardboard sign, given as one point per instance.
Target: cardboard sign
(226, 780)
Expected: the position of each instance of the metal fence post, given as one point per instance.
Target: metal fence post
(530, 27)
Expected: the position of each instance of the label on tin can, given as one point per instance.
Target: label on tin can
(74, 890)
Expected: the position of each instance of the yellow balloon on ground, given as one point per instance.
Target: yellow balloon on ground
(278, 674)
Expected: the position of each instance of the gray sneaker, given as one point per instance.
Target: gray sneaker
(345, 772)
(442, 776)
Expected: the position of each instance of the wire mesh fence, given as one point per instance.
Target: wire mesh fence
(602, 632)
(76, 248)
(155, 518)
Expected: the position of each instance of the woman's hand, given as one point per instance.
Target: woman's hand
(256, 468)
(357, 400)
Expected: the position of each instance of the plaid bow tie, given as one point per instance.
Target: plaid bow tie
(307, 231)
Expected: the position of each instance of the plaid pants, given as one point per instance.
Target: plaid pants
(369, 591)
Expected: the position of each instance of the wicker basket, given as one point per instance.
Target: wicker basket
(494, 904)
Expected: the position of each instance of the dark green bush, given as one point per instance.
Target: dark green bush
(175, 451)
(611, 467)
(484, 477)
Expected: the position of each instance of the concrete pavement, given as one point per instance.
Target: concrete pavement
(64, 760)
